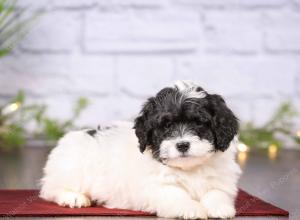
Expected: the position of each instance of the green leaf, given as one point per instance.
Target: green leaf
(12, 126)
(13, 137)
(52, 129)
(13, 25)
(39, 114)
(280, 123)
(6, 10)
(81, 104)
(20, 97)
(4, 52)
(2, 5)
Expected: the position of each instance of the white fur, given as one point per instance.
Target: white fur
(110, 169)
(188, 90)
(198, 152)
(198, 147)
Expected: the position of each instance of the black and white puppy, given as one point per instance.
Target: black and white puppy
(177, 160)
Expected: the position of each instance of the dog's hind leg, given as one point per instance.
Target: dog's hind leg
(65, 197)
(65, 180)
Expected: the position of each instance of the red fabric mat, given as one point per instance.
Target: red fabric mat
(27, 203)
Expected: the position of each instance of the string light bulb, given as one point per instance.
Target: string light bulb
(10, 108)
(242, 158)
(243, 147)
(273, 151)
(242, 153)
(298, 133)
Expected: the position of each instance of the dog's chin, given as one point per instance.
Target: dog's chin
(187, 163)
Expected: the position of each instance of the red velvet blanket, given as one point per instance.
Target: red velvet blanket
(27, 203)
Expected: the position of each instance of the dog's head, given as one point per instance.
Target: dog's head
(183, 126)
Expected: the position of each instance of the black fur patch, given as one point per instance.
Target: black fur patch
(91, 132)
(208, 117)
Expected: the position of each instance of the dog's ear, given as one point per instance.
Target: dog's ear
(224, 123)
(142, 125)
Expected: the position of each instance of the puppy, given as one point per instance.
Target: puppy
(176, 160)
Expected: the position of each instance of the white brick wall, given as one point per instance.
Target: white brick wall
(54, 32)
(233, 31)
(133, 31)
(282, 31)
(118, 52)
(135, 74)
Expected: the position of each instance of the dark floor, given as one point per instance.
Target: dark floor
(277, 180)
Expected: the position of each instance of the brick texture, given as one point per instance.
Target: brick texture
(231, 32)
(283, 32)
(135, 74)
(54, 32)
(119, 52)
(150, 31)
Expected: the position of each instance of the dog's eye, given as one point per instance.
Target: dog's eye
(198, 89)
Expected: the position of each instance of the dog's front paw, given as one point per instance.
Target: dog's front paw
(194, 212)
(73, 199)
(184, 211)
(225, 211)
(218, 204)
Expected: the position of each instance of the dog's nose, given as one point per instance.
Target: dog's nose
(183, 146)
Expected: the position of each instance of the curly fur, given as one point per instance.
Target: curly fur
(205, 115)
(178, 161)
